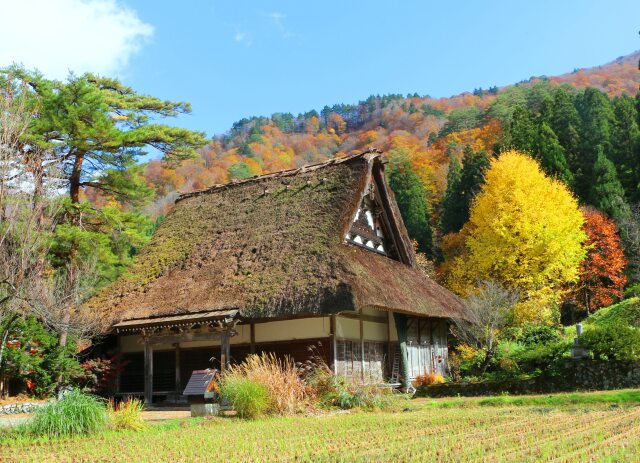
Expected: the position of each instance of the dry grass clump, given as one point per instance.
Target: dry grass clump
(126, 415)
(428, 379)
(282, 379)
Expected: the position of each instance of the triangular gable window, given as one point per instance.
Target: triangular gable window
(368, 228)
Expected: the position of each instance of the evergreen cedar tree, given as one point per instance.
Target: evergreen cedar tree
(602, 277)
(606, 192)
(412, 202)
(525, 231)
(462, 186)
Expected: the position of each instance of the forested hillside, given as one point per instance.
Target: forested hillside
(428, 131)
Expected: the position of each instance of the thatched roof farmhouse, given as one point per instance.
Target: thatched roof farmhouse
(315, 255)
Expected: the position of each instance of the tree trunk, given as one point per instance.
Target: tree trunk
(5, 335)
(75, 178)
(485, 363)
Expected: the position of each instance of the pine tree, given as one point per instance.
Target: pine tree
(412, 201)
(606, 192)
(92, 124)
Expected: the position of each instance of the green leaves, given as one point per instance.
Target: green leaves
(412, 201)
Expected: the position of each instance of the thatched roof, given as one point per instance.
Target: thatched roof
(274, 246)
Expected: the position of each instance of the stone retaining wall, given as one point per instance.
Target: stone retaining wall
(578, 375)
(13, 409)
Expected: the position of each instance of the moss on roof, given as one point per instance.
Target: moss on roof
(271, 246)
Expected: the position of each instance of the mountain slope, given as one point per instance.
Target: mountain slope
(429, 131)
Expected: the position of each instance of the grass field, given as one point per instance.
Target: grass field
(560, 428)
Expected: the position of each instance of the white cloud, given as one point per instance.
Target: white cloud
(243, 38)
(278, 19)
(56, 36)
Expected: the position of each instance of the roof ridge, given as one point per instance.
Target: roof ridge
(371, 153)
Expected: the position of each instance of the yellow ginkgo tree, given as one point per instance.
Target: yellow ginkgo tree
(525, 232)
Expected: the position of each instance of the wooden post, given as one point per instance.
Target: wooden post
(390, 353)
(148, 371)
(334, 344)
(119, 374)
(252, 333)
(225, 350)
(361, 346)
(178, 373)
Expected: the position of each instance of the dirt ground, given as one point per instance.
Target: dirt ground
(161, 415)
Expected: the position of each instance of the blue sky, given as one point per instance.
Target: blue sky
(239, 59)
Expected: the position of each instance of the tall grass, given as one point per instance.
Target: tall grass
(281, 378)
(248, 397)
(126, 415)
(76, 413)
(346, 393)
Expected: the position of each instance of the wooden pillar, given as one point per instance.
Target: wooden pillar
(252, 333)
(118, 375)
(178, 372)
(334, 344)
(148, 371)
(225, 350)
(361, 345)
(390, 353)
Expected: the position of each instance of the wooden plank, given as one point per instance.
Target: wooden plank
(184, 337)
(178, 372)
(334, 347)
(252, 332)
(225, 351)
(361, 347)
(148, 371)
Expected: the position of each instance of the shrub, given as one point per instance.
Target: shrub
(344, 393)
(76, 413)
(99, 374)
(539, 334)
(249, 397)
(625, 312)
(632, 291)
(280, 377)
(126, 415)
(427, 379)
(616, 341)
(547, 358)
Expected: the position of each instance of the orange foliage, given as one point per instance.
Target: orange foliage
(602, 278)
(410, 124)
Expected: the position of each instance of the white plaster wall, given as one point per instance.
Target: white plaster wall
(347, 328)
(374, 331)
(288, 330)
(133, 343)
(243, 336)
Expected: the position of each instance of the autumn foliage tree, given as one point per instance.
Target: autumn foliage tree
(524, 232)
(602, 277)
